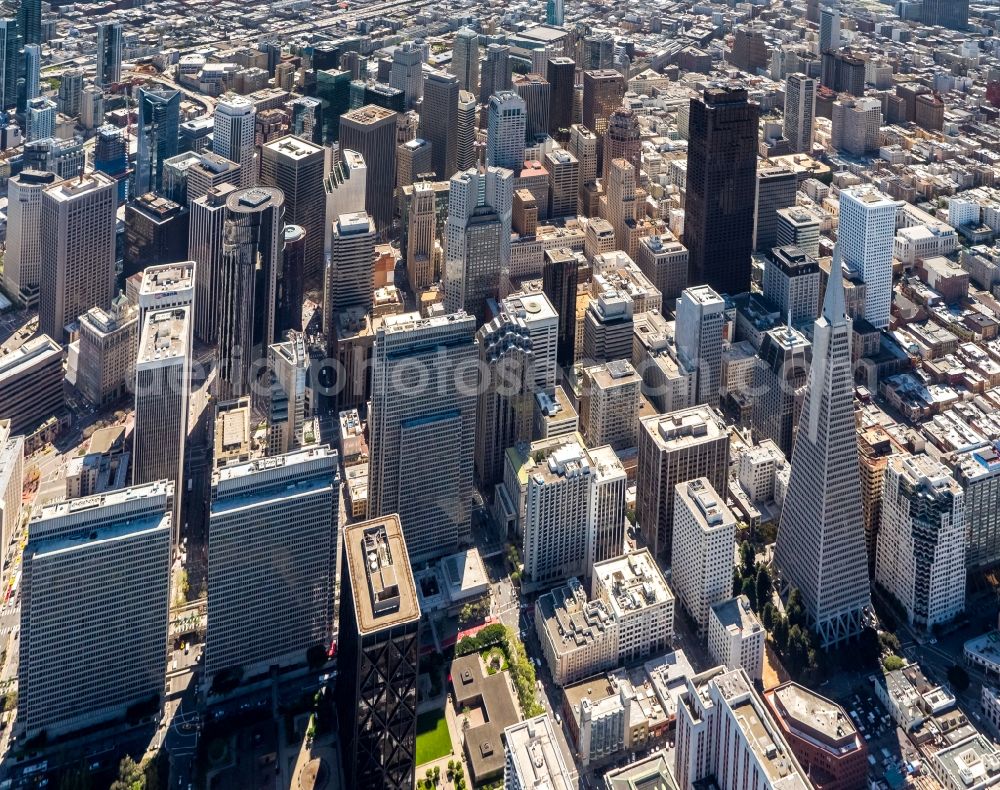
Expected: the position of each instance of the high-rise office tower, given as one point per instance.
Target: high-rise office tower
(620, 206)
(439, 121)
(673, 448)
(406, 73)
(560, 276)
(104, 559)
(791, 283)
(776, 188)
(506, 400)
(875, 447)
(379, 94)
(206, 230)
(621, 140)
(533, 757)
(496, 73)
(108, 68)
(540, 318)
(22, 266)
(536, 92)
(477, 237)
(164, 287)
(952, 14)
(345, 185)
(423, 425)
(844, 72)
(465, 59)
(555, 13)
(505, 132)
(664, 260)
(866, 236)
(421, 237)
(78, 250)
(333, 89)
(603, 91)
(209, 171)
(32, 72)
(352, 269)
(371, 131)
(40, 119)
(778, 380)
(564, 182)
(800, 112)
(856, 125)
(466, 155)
(111, 156)
(29, 21)
(70, 90)
(290, 403)
(722, 165)
(609, 408)
(233, 134)
(379, 627)
(272, 548)
(829, 30)
(291, 288)
(162, 382)
(798, 227)
(413, 159)
(700, 322)
(253, 238)
(295, 166)
(159, 117)
(821, 538)
(561, 74)
(9, 62)
(920, 558)
(701, 564)
(595, 51)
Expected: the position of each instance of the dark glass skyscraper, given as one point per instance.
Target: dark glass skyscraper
(29, 21)
(561, 73)
(159, 119)
(559, 279)
(333, 88)
(9, 62)
(721, 183)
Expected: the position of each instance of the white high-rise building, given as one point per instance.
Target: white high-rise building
(11, 481)
(474, 278)
(351, 274)
(162, 383)
(920, 555)
(32, 71)
(866, 236)
(406, 72)
(725, 731)
(291, 402)
(505, 131)
(233, 136)
(542, 322)
(22, 262)
(534, 757)
(422, 425)
(821, 538)
(736, 637)
(273, 551)
(103, 560)
(344, 184)
(166, 286)
(701, 567)
(700, 323)
(39, 119)
(800, 111)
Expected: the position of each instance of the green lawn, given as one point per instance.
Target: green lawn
(433, 740)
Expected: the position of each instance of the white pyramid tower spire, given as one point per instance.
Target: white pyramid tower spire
(821, 540)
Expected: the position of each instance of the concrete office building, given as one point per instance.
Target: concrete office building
(108, 342)
(664, 260)
(736, 637)
(673, 448)
(106, 559)
(166, 286)
(505, 134)
(920, 555)
(800, 112)
(725, 731)
(422, 246)
(776, 188)
(564, 182)
(465, 60)
(534, 758)
(253, 237)
(344, 185)
(206, 229)
(422, 428)
(866, 236)
(233, 135)
(822, 514)
(209, 172)
(978, 472)
(791, 283)
(22, 262)
(700, 325)
(496, 72)
(351, 273)
(439, 121)
(406, 72)
(162, 383)
(78, 250)
(272, 556)
(536, 92)
(609, 404)
(413, 160)
(701, 566)
(855, 125)
(380, 627)
(11, 482)
(31, 383)
(371, 132)
(466, 153)
(295, 166)
(797, 227)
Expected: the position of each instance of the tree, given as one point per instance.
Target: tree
(748, 561)
(767, 616)
(958, 678)
(737, 582)
(892, 663)
(779, 631)
(750, 591)
(797, 651)
(763, 585)
(889, 643)
(316, 657)
(130, 776)
(794, 610)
